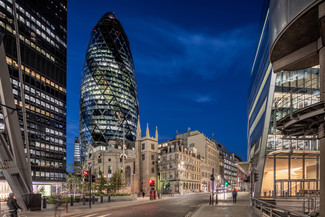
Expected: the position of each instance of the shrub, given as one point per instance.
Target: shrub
(120, 194)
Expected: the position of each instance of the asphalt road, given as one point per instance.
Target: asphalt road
(178, 207)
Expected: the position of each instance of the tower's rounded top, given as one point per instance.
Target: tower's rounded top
(109, 15)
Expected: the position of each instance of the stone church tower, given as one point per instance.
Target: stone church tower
(146, 160)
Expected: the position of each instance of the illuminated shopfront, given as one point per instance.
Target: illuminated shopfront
(291, 174)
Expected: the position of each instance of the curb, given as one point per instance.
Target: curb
(196, 212)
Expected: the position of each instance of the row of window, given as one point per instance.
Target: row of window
(49, 147)
(32, 22)
(46, 163)
(48, 175)
(34, 74)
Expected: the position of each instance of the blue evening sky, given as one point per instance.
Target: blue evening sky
(192, 59)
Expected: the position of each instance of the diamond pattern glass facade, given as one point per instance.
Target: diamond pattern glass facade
(109, 96)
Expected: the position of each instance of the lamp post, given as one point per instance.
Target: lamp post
(123, 173)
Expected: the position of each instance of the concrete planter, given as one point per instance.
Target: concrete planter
(123, 198)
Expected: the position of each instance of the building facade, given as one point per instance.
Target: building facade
(228, 166)
(146, 160)
(179, 168)
(243, 176)
(108, 160)
(286, 165)
(109, 95)
(208, 151)
(77, 152)
(42, 35)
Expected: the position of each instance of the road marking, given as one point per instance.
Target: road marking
(188, 214)
(90, 215)
(105, 215)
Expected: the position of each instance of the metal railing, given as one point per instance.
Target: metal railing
(311, 204)
(269, 209)
(297, 98)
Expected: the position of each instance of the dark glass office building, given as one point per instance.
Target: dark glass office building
(287, 166)
(42, 34)
(109, 96)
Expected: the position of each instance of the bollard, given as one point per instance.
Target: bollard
(66, 207)
(109, 198)
(83, 200)
(71, 200)
(101, 199)
(44, 202)
(210, 200)
(93, 197)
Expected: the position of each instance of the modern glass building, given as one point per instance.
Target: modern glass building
(287, 165)
(109, 96)
(42, 33)
(77, 152)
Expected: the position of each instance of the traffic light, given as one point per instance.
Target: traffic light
(212, 177)
(86, 178)
(151, 182)
(226, 183)
(93, 178)
(255, 177)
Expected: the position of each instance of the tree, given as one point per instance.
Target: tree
(101, 182)
(74, 178)
(116, 181)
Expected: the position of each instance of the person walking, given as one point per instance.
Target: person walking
(58, 207)
(234, 196)
(13, 205)
(143, 194)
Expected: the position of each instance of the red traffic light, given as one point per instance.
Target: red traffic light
(85, 173)
(151, 182)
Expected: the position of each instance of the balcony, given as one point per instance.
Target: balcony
(299, 112)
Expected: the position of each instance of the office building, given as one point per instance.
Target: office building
(108, 97)
(179, 168)
(77, 152)
(42, 36)
(228, 166)
(208, 151)
(286, 164)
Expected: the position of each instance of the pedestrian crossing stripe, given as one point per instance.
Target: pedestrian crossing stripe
(90, 215)
(105, 215)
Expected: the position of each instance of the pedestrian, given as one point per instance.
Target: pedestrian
(143, 194)
(58, 206)
(13, 205)
(234, 196)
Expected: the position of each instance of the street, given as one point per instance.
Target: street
(176, 207)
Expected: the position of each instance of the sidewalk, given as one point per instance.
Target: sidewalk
(226, 208)
(84, 209)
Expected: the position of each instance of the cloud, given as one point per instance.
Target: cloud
(203, 99)
(169, 51)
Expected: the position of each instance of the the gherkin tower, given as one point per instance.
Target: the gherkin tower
(109, 95)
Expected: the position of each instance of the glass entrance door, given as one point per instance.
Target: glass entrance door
(282, 189)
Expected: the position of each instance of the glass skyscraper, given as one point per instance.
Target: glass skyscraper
(42, 33)
(109, 95)
(287, 165)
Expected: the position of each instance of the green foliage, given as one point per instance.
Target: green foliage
(74, 179)
(52, 200)
(101, 182)
(121, 194)
(116, 181)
